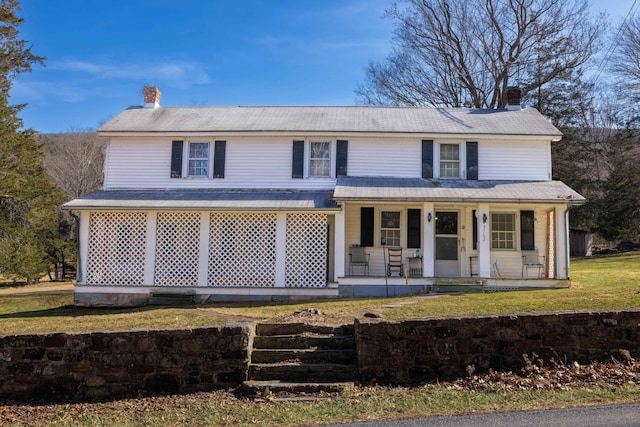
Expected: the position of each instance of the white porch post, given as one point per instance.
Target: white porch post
(428, 237)
(83, 246)
(281, 250)
(484, 241)
(562, 242)
(150, 252)
(339, 243)
(203, 262)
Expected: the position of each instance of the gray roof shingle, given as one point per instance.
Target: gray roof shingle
(419, 189)
(457, 121)
(206, 199)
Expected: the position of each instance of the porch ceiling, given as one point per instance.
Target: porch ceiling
(240, 199)
(417, 189)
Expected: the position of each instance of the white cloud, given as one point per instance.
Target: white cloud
(172, 72)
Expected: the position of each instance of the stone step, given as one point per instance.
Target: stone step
(270, 329)
(293, 388)
(303, 372)
(304, 355)
(305, 340)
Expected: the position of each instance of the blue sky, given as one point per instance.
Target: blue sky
(199, 52)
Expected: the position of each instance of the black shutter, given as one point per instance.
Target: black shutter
(413, 228)
(527, 225)
(176, 159)
(472, 160)
(474, 221)
(341, 157)
(218, 158)
(297, 168)
(366, 226)
(427, 159)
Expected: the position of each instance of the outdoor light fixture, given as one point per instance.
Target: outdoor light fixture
(484, 217)
(429, 217)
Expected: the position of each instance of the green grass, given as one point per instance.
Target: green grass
(598, 283)
(602, 283)
(360, 404)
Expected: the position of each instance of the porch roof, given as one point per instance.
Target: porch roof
(453, 190)
(211, 199)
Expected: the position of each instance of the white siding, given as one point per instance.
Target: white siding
(264, 163)
(385, 158)
(520, 161)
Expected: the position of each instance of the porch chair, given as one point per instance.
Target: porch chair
(357, 256)
(394, 260)
(531, 260)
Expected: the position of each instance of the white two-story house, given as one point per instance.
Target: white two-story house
(245, 203)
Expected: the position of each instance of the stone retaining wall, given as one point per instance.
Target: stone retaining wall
(412, 351)
(111, 364)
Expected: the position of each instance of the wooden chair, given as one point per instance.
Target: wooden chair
(531, 259)
(358, 257)
(394, 260)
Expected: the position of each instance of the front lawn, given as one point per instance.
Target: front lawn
(598, 283)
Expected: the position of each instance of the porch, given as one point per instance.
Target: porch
(380, 286)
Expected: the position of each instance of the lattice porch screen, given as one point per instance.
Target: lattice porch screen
(306, 254)
(116, 248)
(242, 249)
(177, 249)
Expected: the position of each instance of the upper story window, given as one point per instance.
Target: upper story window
(503, 231)
(449, 160)
(198, 163)
(320, 159)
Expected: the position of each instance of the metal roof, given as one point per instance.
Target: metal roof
(205, 200)
(458, 121)
(438, 190)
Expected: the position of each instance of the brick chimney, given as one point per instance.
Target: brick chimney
(513, 98)
(151, 96)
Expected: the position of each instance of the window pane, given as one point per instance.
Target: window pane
(198, 159)
(390, 219)
(449, 152)
(502, 231)
(390, 228)
(446, 223)
(320, 159)
(449, 161)
(199, 150)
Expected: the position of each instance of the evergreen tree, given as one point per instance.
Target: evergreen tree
(27, 198)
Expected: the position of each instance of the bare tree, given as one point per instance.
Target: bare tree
(466, 53)
(75, 161)
(626, 59)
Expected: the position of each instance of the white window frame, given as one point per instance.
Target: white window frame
(462, 160)
(383, 229)
(187, 160)
(308, 159)
(514, 233)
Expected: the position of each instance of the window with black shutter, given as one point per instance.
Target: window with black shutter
(297, 168)
(219, 158)
(427, 159)
(413, 228)
(176, 159)
(527, 226)
(366, 226)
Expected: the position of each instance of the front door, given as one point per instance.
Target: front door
(446, 262)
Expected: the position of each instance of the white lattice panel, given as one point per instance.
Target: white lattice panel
(116, 248)
(306, 264)
(242, 249)
(177, 243)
